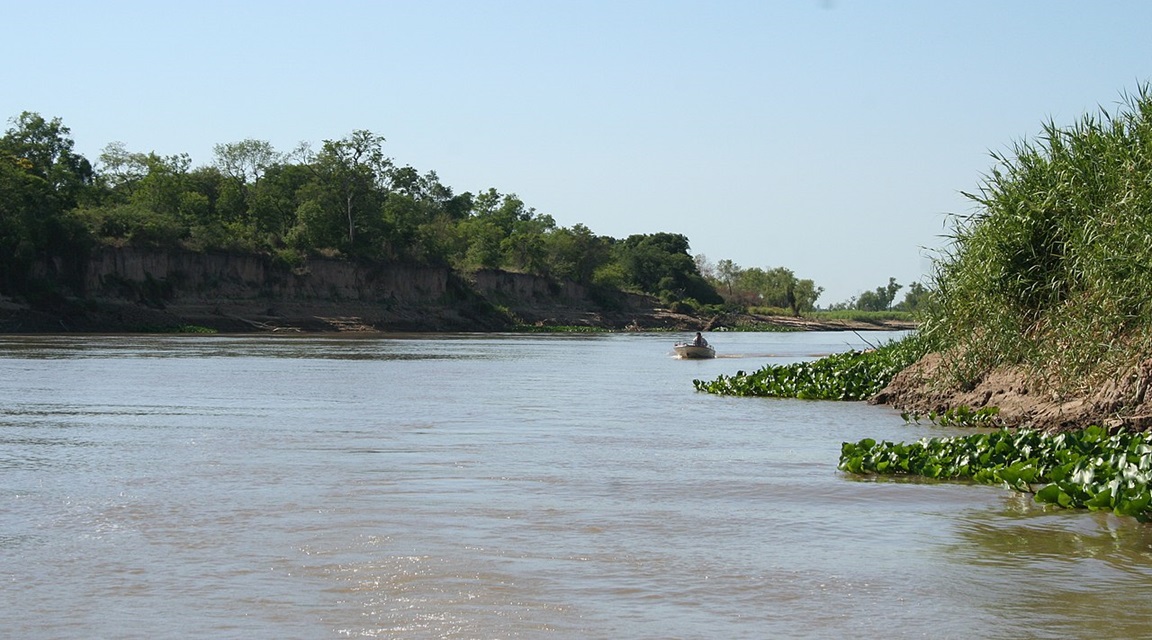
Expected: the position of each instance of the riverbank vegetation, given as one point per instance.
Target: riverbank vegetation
(1053, 270)
(1043, 300)
(1048, 282)
(854, 315)
(347, 200)
(780, 292)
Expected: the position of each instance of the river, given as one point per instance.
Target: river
(503, 486)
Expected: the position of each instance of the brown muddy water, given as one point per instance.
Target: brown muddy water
(500, 486)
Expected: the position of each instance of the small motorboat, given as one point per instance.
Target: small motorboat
(689, 350)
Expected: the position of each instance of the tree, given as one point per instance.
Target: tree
(524, 248)
(483, 244)
(806, 295)
(121, 169)
(242, 165)
(649, 259)
(273, 201)
(780, 290)
(504, 232)
(41, 180)
(727, 273)
(349, 179)
(778, 287)
(659, 263)
(163, 202)
(880, 299)
(23, 198)
(915, 298)
(246, 161)
(46, 151)
(575, 254)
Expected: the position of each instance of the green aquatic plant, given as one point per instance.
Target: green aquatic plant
(184, 328)
(962, 416)
(852, 375)
(1087, 469)
(557, 328)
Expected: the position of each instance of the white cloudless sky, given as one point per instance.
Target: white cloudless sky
(831, 137)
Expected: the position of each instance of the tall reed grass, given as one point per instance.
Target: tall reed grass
(1053, 270)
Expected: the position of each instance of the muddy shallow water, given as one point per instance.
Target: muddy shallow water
(500, 486)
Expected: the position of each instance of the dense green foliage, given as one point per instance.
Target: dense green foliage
(347, 199)
(917, 297)
(1084, 469)
(882, 299)
(879, 299)
(41, 180)
(755, 287)
(852, 375)
(1053, 271)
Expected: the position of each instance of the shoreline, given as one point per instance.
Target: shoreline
(102, 315)
(1119, 404)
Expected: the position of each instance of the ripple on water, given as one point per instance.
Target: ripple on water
(511, 486)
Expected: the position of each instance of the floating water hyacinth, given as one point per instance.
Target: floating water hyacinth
(852, 375)
(1087, 469)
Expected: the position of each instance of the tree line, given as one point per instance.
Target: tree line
(346, 199)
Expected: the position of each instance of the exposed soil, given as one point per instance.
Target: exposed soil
(135, 290)
(1122, 404)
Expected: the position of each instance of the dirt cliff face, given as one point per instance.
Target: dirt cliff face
(132, 290)
(186, 275)
(1122, 403)
(136, 290)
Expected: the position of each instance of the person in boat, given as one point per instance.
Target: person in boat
(699, 341)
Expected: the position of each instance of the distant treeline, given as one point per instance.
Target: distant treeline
(347, 199)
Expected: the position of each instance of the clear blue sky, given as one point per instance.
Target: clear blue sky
(830, 137)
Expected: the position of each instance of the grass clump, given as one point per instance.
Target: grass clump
(1053, 270)
(856, 315)
(760, 327)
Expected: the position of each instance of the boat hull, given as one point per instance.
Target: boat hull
(694, 351)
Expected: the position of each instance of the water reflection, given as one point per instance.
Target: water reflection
(1028, 532)
(1057, 572)
(333, 348)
